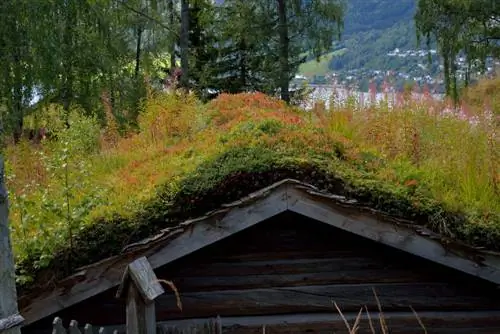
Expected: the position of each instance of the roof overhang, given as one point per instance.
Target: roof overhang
(287, 195)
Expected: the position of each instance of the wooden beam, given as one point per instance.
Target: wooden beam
(400, 237)
(8, 294)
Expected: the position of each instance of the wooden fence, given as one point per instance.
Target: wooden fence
(213, 326)
(58, 328)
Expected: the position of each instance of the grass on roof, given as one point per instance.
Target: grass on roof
(84, 196)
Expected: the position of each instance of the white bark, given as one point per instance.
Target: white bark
(8, 295)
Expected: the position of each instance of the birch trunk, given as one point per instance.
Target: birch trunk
(8, 295)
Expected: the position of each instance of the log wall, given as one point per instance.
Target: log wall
(293, 267)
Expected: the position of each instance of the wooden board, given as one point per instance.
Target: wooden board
(399, 323)
(350, 297)
(140, 273)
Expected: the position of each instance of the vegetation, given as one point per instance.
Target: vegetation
(471, 27)
(87, 193)
(78, 53)
(313, 67)
(103, 148)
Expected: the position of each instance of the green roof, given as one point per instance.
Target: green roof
(190, 158)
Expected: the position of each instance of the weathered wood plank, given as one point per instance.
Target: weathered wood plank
(429, 296)
(214, 283)
(399, 323)
(140, 273)
(399, 237)
(271, 266)
(141, 317)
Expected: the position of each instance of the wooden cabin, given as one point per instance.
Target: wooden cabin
(290, 259)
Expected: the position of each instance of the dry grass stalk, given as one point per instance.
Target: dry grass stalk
(383, 324)
(172, 287)
(418, 319)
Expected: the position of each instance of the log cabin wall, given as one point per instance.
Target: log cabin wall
(291, 267)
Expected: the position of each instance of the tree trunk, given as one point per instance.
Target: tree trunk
(68, 61)
(184, 43)
(8, 294)
(138, 52)
(171, 20)
(283, 52)
(17, 107)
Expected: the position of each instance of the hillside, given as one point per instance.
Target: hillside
(373, 30)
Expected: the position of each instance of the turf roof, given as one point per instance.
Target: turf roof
(259, 142)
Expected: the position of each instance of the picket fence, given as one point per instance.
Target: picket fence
(213, 326)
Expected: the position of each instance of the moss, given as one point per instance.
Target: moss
(230, 176)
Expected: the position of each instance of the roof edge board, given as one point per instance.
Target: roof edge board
(397, 236)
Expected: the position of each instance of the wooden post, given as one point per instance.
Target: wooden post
(10, 320)
(140, 287)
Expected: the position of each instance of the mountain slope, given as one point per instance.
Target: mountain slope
(373, 30)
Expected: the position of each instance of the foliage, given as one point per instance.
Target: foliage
(74, 202)
(468, 26)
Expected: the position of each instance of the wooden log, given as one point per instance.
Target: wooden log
(398, 323)
(280, 266)
(211, 283)
(351, 297)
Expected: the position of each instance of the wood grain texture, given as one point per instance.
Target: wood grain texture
(320, 298)
(141, 316)
(399, 237)
(399, 323)
(140, 273)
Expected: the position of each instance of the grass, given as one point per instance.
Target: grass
(85, 195)
(313, 67)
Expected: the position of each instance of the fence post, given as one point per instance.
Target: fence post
(10, 320)
(140, 287)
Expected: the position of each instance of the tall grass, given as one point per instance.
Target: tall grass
(415, 148)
